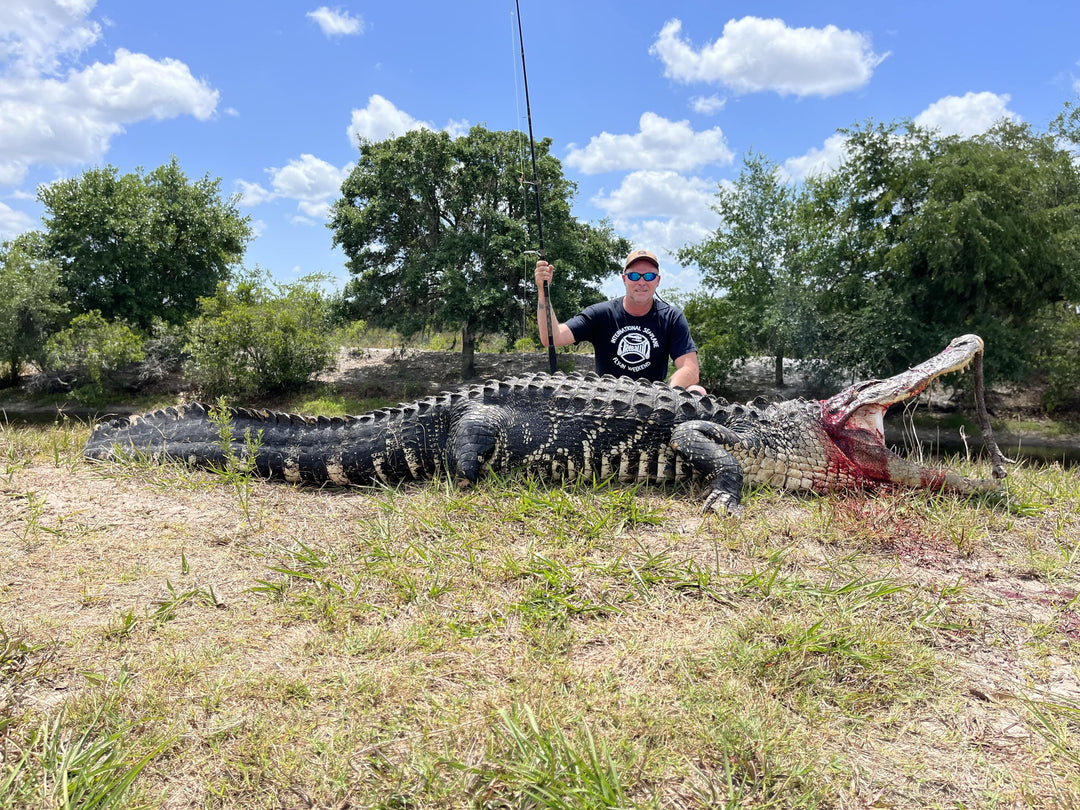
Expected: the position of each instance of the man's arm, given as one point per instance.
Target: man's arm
(560, 332)
(687, 373)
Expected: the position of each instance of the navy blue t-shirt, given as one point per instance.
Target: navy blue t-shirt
(629, 346)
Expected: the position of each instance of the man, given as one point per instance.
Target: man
(632, 336)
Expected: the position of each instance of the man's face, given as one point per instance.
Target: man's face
(641, 287)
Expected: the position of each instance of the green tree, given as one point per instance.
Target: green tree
(1058, 355)
(719, 345)
(31, 303)
(925, 237)
(753, 261)
(436, 230)
(137, 245)
(256, 338)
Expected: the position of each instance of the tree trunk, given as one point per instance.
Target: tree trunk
(778, 370)
(468, 352)
(9, 373)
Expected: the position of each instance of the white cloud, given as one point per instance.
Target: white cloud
(12, 172)
(821, 161)
(35, 34)
(252, 194)
(258, 227)
(755, 54)
(664, 237)
(457, 128)
(13, 222)
(662, 211)
(49, 118)
(336, 23)
(967, 115)
(308, 178)
(134, 86)
(659, 144)
(380, 120)
(707, 105)
(310, 181)
(656, 194)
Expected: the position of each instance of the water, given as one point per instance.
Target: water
(1032, 451)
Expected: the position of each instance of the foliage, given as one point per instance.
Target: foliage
(1058, 341)
(927, 237)
(915, 239)
(91, 350)
(31, 301)
(437, 230)
(163, 350)
(56, 767)
(719, 345)
(255, 338)
(752, 258)
(139, 246)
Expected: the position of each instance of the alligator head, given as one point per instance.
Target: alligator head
(853, 419)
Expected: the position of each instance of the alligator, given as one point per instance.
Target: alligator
(565, 426)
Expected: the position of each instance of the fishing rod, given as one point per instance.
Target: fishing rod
(548, 309)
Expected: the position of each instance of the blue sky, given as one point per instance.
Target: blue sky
(650, 105)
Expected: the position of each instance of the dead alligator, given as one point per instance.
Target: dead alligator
(568, 426)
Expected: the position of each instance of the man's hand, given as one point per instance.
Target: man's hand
(544, 273)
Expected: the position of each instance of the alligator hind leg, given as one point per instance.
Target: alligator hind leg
(702, 445)
(472, 441)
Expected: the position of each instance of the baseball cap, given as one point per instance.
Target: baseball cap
(641, 254)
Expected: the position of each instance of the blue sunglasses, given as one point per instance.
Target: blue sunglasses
(640, 276)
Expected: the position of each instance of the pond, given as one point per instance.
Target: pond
(1033, 450)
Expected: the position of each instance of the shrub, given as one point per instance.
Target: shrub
(252, 339)
(90, 352)
(350, 336)
(719, 347)
(164, 351)
(1059, 355)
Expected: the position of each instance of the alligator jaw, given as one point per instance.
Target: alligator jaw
(864, 404)
(853, 419)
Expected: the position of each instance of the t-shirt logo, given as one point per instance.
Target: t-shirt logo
(634, 348)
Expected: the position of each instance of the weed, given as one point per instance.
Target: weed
(542, 768)
(55, 767)
(166, 607)
(238, 468)
(1057, 720)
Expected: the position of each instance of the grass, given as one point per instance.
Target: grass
(181, 638)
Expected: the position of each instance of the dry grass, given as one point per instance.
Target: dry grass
(524, 645)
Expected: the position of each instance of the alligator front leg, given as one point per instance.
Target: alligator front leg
(704, 446)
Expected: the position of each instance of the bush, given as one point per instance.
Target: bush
(164, 351)
(350, 337)
(1059, 356)
(90, 352)
(718, 346)
(250, 339)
